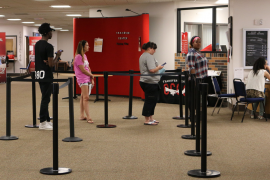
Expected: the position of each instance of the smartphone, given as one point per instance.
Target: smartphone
(163, 64)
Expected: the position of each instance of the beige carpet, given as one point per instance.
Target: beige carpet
(132, 150)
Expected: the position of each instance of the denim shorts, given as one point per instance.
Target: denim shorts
(84, 84)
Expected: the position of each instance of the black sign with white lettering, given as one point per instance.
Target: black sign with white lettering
(256, 46)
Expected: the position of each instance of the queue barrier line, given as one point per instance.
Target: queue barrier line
(68, 81)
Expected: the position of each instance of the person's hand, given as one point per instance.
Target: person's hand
(160, 67)
(93, 82)
(46, 62)
(59, 52)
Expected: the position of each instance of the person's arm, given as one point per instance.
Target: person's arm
(151, 65)
(267, 75)
(85, 71)
(267, 68)
(191, 60)
(156, 69)
(52, 61)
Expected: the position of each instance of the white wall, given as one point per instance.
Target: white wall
(65, 42)
(244, 13)
(162, 17)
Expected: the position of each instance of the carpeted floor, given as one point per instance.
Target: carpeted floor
(131, 151)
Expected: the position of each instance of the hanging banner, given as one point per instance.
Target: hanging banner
(3, 74)
(184, 42)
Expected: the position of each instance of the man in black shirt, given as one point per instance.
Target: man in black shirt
(44, 61)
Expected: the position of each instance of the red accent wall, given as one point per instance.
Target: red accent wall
(113, 57)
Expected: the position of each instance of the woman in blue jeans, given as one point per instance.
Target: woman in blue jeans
(256, 84)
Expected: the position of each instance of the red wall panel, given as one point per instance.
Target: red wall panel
(114, 57)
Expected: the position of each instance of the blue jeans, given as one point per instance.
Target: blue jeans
(255, 105)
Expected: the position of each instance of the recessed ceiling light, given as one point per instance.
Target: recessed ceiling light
(37, 25)
(58, 28)
(2, 15)
(60, 6)
(73, 15)
(64, 30)
(14, 19)
(28, 22)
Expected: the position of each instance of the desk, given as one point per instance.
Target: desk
(62, 65)
(12, 61)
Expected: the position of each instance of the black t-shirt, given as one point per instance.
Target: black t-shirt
(43, 50)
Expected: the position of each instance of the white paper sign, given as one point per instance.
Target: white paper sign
(239, 73)
(98, 45)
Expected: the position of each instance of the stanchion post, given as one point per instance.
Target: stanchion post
(106, 125)
(55, 170)
(197, 151)
(180, 95)
(33, 102)
(192, 109)
(186, 125)
(130, 98)
(203, 172)
(72, 137)
(8, 112)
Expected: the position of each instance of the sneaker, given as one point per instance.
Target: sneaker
(45, 126)
(50, 123)
(260, 117)
(252, 117)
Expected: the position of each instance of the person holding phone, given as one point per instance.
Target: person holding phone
(149, 84)
(84, 78)
(44, 61)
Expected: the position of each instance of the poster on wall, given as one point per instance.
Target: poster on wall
(98, 43)
(32, 43)
(184, 42)
(3, 74)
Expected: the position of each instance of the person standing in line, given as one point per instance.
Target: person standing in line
(44, 61)
(197, 63)
(84, 78)
(256, 84)
(149, 84)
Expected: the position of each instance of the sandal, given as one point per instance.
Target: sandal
(83, 118)
(155, 121)
(150, 123)
(90, 121)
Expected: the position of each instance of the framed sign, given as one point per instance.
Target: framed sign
(256, 44)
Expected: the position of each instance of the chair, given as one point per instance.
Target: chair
(240, 90)
(26, 69)
(218, 95)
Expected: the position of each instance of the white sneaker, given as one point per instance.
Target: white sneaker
(45, 126)
(50, 123)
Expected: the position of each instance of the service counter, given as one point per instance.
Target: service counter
(267, 101)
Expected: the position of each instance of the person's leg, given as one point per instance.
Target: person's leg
(255, 105)
(261, 109)
(46, 90)
(155, 93)
(85, 99)
(82, 117)
(146, 112)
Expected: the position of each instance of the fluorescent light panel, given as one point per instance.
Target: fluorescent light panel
(58, 28)
(64, 30)
(60, 6)
(37, 25)
(28, 22)
(14, 19)
(2, 15)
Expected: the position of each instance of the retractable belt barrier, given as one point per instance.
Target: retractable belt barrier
(68, 81)
(131, 74)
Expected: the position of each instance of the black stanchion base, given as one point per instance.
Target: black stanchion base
(9, 138)
(195, 153)
(72, 139)
(188, 137)
(208, 174)
(182, 118)
(51, 118)
(106, 126)
(183, 126)
(32, 126)
(60, 171)
(130, 117)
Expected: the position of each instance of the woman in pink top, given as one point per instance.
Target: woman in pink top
(84, 78)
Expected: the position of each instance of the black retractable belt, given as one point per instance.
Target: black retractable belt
(55, 170)
(197, 151)
(203, 172)
(8, 112)
(180, 95)
(106, 125)
(72, 137)
(187, 96)
(33, 102)
(130, 98)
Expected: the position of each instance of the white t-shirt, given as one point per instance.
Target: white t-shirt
(256, 82)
